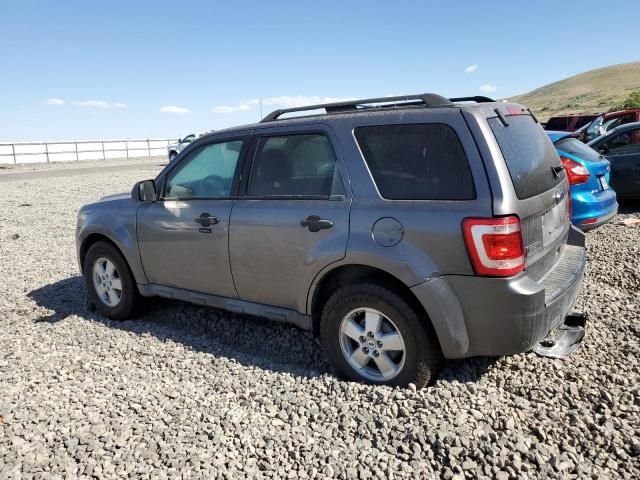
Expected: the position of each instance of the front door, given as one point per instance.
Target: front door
(623, 151)
(293, 221)
(184, 236)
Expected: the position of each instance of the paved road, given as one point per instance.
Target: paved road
(68, 172)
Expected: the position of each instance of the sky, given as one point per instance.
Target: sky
(151, 69)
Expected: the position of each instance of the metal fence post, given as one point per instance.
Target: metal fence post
(149, 147)
(77, 157)
(104, 156)
(13, 151)
(126, 145)
(46, 150)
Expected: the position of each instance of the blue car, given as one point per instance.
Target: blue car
(593, 201)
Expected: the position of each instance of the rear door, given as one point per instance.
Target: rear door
(623, 151)
(294, 218)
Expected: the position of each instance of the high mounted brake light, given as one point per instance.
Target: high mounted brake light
(576, 173)
(516, 111)
(495, 245)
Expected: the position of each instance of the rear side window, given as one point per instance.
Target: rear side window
(417, 162)
(529, 154)
(579, 149)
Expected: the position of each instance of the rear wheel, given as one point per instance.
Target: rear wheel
(110, 284)
(372, 335)
(172, 155)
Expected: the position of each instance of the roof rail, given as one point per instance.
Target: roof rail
(477, 99)
(424, 99)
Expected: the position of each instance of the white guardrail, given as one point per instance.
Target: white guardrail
(77, 151)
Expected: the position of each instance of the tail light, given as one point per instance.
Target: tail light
(494, 245)
(575, 172)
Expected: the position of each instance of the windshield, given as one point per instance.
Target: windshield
(595, 128)
(575, 147)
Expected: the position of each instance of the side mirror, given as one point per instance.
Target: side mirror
(179, 141)
(144, 191)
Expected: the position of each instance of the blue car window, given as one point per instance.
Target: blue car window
(575, 147)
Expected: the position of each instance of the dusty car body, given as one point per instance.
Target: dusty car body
(400, 230)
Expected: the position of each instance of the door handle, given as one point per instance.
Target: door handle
(206, 220)
(314, 223)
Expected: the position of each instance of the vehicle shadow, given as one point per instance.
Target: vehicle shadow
(251, 341)
(629, 206)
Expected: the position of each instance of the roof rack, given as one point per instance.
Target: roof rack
(477, 99)
(424, 99)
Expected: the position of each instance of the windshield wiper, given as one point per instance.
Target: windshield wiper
(556, 170)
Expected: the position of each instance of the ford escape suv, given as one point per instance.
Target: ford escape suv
(401, 230)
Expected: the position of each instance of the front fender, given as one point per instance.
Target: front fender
(120, 229)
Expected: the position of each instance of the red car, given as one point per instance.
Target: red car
(608, 121)
(569, 123)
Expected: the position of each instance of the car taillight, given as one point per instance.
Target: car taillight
(494, 245)
(575, 172)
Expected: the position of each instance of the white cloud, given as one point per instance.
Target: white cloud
(301, 100)
(471, 68)
(54, 101)
(242, 107)
(174, 109)
(98, 104)
(487, 87)
(91, 103)
(286, 101)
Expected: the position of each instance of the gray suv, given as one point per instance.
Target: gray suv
(401, 230)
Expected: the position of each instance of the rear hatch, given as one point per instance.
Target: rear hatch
(531, 183)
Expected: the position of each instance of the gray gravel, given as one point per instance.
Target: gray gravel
(200, 393)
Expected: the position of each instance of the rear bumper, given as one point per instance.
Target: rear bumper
(495, 316)
(599, 221)
(586, 206)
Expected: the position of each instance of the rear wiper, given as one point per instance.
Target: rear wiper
(556, 170)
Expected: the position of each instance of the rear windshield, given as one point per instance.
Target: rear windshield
(529, 155)
(575, 147)
(417, 162)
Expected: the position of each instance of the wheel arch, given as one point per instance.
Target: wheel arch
(353, 273)
(94, 237)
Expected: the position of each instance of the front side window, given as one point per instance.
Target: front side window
(188, 139)
(416, 162)
(293, 165)
(207, 172)
(623, 143)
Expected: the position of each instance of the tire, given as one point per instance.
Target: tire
(116, 303)
(172, 155)
(419, 361)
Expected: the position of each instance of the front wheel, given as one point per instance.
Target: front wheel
(371, 334)
(172, 155)
(110, 284)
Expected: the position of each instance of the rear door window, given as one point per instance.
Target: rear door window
(575, 147)
(298, 165)
(529, 154)
(416, 162)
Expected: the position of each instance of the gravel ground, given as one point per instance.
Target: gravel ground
(200, 393)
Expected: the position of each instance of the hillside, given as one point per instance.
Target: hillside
(592, 91)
